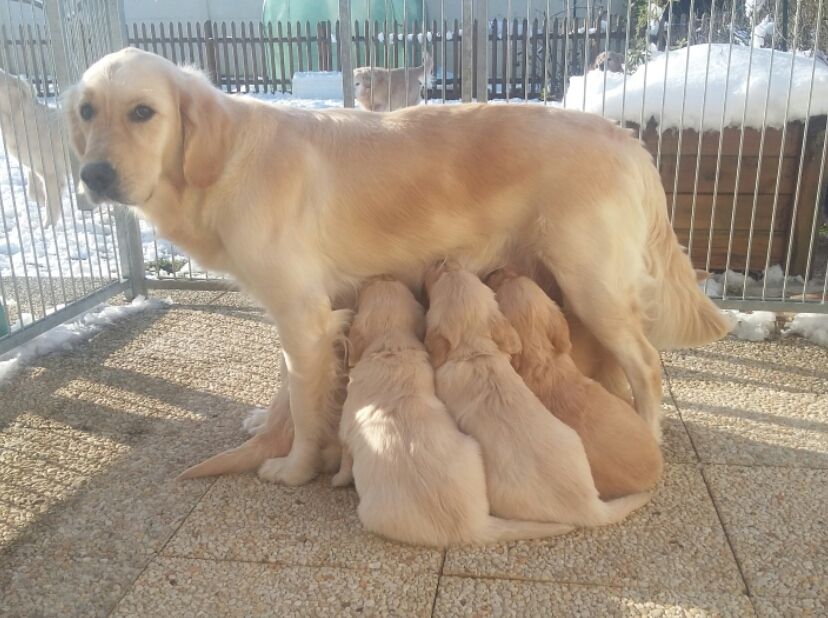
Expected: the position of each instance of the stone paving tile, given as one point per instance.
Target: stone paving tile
(184, 587)
(675, 443)
(243, 518)
(777, 521)
(504, 598)
(783, 607)
(50, 582)
(749, 425)
(675, 543)
(792, 364)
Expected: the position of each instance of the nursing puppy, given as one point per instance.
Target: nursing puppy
(623, 455)
(384, 90)
(536, 466)
(33, 136)
(419, 479)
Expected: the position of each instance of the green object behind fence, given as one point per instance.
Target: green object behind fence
(303, 11)
(4, 322)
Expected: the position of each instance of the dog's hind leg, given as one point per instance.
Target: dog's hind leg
(603, 293)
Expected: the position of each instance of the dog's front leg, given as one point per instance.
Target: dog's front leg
(307, 334)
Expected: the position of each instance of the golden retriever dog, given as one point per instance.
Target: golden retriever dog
(384, 90)
(33, 136)
(536, 466)
(419, 479)
(623, 455)
(301, 206)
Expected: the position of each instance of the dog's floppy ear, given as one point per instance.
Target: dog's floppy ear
(438, 347)
(505, 336)
(207, 131)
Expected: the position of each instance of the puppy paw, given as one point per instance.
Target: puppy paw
(343, 478)
(291, 470)
(255, 421)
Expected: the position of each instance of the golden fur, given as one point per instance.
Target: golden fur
(623, 455)
(301, 206)
(385, 90)
(419, 479)
(536, 466)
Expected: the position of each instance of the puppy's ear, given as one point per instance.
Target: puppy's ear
(355, 347)
(438, 348)
(557, 331)
(505, 336)
(207, 131)
(70, 109)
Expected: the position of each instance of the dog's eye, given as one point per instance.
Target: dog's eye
(87, 111)
(141, 113)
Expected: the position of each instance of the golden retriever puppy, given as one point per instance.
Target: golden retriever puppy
(301, 206)
(33, 136)
(536, 466)
(623, 455)
(419, 479)
(384, 90)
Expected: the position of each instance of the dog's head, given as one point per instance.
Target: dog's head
(371, 88)
(462, 308)
(137, 120)
(384, 304)
(537, 318)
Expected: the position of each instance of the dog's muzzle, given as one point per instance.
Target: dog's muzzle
(101, 180)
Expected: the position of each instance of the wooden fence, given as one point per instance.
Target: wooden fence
(526, 59)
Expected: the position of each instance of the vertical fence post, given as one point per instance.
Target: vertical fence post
(467, 50)
(210, 52)
(130, 249)
(344, 42)
(483, 31)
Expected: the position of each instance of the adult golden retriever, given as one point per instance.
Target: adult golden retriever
(301, 206)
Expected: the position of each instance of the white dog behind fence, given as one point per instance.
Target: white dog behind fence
(32, 133)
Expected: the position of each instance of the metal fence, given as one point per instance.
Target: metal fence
(736, 122)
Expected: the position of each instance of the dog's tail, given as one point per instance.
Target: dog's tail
(501, 530)
(680, 313)
(616, 510)
(269, 443)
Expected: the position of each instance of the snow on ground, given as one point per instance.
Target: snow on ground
(736, 75)
(756, 326)
(812, 326)
(770, 285)
(66, 336)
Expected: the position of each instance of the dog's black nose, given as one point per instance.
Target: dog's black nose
(99, 176)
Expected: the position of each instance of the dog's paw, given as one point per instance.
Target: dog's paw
(255, 421)
(343, 478)
(290, 470)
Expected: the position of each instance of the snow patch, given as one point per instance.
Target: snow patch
(756, 326)
(738, 81)
(811, 326)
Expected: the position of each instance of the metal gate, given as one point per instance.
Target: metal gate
(730, 97)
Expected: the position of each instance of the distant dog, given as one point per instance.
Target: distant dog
(419, 479)
(623, 454)
(536, 466)
(384, 90)
(609, 61)
(33, 136)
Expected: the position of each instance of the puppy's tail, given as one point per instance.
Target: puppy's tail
(618, 509)
(680, 313)
(501, 530)
(269, 443)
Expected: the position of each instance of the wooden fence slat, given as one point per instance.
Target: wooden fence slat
(290, 58)
(264, 44)
(310, 47)
(283, 78)
(299, 45)
(245, 65)
(235, 40)
(225, 70)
